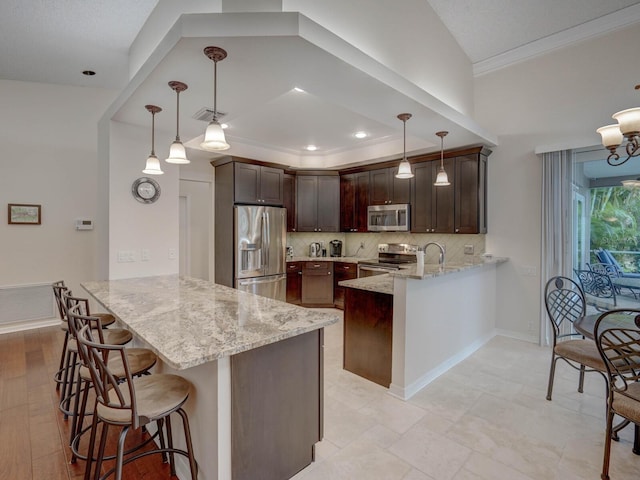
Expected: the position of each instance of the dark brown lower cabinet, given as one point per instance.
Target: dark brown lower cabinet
(294, 283)
(276, 407)
(368, 334)
(317, 284)
(342, 271)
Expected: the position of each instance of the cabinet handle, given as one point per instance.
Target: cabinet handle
(319, 229)
(316, 265)
(299, 273)
(328, 273)
(457, 230)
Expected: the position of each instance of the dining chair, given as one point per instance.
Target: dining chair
(565, 303)
(598, 289)
(140, 361)
(131, 403)
(619, 347)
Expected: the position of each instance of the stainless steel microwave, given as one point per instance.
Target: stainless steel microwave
(388, 218)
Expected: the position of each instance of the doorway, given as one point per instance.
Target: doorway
(195, 228)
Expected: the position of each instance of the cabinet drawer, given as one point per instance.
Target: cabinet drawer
(294, 266)
(317, 266)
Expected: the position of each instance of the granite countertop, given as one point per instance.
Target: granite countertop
(188, 321)
(326, 259)
(384, 283)
(376, 283)
(434, 270)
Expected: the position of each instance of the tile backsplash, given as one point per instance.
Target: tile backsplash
(454, 244)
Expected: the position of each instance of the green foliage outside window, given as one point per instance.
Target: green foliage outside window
(615, 216)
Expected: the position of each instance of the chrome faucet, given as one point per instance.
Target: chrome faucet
(441, 259)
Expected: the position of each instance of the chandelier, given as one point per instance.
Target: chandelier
(628, 127)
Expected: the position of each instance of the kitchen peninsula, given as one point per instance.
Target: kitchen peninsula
(426, 319)
(256, 365)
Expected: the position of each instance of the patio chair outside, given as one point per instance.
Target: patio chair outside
(606, 257)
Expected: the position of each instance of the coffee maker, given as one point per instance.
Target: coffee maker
(335, 248)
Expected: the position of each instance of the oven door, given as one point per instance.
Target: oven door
(371, 270)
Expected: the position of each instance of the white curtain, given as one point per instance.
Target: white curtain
(557, 213)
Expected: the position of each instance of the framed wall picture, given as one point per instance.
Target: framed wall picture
(24, 214)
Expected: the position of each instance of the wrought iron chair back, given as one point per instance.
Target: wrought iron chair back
(598, 288)
(565, 303)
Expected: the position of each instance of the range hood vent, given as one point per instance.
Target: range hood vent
(205, 114)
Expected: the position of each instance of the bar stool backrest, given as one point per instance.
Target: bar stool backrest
(116, 393)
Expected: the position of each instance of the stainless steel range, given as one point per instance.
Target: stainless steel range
(391, 257)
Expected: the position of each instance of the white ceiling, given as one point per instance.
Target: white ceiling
(53, 41)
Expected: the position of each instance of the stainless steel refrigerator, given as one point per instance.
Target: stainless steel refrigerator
(260, 242)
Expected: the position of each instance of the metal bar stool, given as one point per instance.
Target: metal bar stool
(140, 361)
(114, 336)
(130, 402)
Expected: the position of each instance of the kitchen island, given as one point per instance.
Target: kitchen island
(439, 316)
(255, 363)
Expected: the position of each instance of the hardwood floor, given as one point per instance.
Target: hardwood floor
(34, 434)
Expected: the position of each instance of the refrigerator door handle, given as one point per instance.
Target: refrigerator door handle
(254, 281)
(266, 240)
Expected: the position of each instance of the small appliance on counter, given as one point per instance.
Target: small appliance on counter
(335, 248)
(315, 249)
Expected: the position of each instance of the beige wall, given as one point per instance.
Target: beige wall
(555, 100)
(49, 157)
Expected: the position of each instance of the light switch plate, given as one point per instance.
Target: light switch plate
(468, 250)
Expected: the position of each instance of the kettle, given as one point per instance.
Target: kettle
(315, 249)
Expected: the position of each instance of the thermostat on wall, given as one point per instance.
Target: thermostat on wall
(83, 224)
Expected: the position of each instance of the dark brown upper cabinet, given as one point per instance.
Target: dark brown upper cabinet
(318, 203)
(457, 208)
(257, 184)
(432, 208)
(289, 200)
(354, 200)
(471, 194)
(385, 188)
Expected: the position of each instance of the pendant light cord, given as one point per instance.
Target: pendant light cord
(153, 133)
(442, 152)
(177, 115)
(404, 140)
(215, 90)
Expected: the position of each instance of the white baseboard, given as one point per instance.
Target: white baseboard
(28, 325)
(407, 392)
(527, 337)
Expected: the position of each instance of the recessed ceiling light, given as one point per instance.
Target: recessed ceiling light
(311, 148)
(360, 134)
(298, 89)
(224, 125)
(88, 73)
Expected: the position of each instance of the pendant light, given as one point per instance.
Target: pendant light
(442, 180)
(404, 169)
(628, 127)
(177, 152)
(153, 164)
(214, 135)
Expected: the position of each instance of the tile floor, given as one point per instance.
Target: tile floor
(486, 418)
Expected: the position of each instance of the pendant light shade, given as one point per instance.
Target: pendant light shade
(404, 169)
(442, 180)
(628, 127)
(153, 164)
(177, 152)
(214, 136)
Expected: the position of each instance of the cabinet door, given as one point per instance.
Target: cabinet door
(401, 187)
(379, 187)
(347, 203)
(307, 203)
(271, 188)
(469, 195)
(422, 201)
(246, 183)
(328, 203)
(317, 284)
(294, 283)
(361, 201)
(444, 200)
(289, 200)
(342, 271)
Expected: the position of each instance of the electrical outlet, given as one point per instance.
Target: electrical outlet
(468, 250)
(172, 254)
(361, 244)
